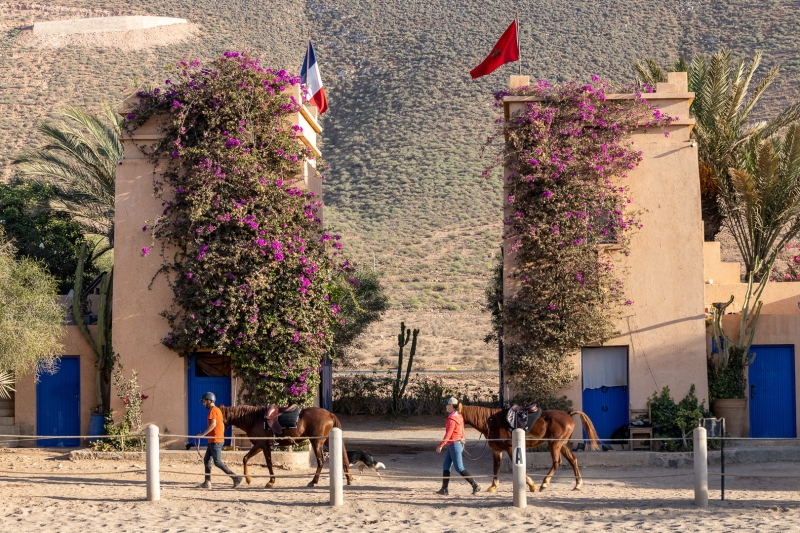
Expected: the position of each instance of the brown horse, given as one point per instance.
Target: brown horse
(313, 422)
(552, 424)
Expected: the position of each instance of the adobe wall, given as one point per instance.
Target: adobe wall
(25, 400)
(664, 328)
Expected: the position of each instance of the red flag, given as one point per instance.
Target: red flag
(505, 51)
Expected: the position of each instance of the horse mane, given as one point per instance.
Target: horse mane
(242, 416)
(478, 417)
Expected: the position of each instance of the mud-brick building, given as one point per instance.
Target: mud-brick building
(60, 404)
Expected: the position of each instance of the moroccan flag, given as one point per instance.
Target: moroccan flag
(505, 51)
(309, 76)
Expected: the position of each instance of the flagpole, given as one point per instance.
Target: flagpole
(519, 48)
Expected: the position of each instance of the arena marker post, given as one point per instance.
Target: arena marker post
(518, 467)
(700, 467)
(153, 481)
(335, 467)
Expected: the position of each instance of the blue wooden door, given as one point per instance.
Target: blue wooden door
(205, 376)
(771, 390)
(58, 404)
(607, 408)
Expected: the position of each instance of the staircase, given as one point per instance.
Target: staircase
(7, 426)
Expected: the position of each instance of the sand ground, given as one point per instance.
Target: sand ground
(79, 500)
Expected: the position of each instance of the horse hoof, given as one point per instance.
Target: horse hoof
(541, 489)
(310, 484)
(576, 489)
(491, 489)
(532, 488)
(269, 485)
(248, 479)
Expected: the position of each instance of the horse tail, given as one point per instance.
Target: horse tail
(590, 431)
(345, 460)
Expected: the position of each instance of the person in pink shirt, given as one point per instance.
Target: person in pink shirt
(453, 442)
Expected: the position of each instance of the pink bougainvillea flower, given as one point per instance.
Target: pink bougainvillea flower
(145, 251)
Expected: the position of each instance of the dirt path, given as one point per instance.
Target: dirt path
(82, 501)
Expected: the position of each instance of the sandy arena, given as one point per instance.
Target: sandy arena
(76, 500)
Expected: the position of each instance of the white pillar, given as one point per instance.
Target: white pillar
(335, 467)
(153, 481)
(700, 467)
(518, 466)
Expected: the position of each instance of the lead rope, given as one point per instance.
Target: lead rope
(485, 444)
(197, 449)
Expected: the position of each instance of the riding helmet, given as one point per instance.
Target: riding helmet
(209, 396)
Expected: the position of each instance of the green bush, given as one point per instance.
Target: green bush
(675, 420)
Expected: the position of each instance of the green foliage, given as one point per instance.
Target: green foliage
(566, 159)
(31, 318)
(79, 160)
(372, 394)
(400, 382)
(675, 420)
(131, 424)
(362, 299)
(254, 275)
(726, 382)
(493, 303)
(51, 238)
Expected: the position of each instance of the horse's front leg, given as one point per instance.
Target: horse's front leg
(253, 451)
(268, 457)
(317, 444)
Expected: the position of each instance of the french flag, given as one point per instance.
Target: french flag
(310, 77)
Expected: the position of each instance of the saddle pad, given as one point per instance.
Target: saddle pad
(289, 420)
(532, 418)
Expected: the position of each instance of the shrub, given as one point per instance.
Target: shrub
(566, 158)
(675, 420)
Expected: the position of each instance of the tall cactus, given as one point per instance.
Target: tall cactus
(399, 387)
(101, 346)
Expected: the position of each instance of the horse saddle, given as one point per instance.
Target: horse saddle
(519, 417)
(280, 418)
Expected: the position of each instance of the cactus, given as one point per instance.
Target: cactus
(104, 354)
(399, 386)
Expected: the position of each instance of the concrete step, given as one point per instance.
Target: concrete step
(6, 421)
(759, 443)
(625, 459)
(6, 412)
(280, 460)
(9, 442)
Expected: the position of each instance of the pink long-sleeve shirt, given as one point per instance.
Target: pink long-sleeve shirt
(453, 429)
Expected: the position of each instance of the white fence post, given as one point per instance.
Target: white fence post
(153, 481)
(335, 467)
(700, 467)
(518, 467)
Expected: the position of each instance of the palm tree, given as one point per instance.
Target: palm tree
(79, 159)
(722, 107)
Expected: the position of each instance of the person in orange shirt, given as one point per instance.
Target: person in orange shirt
(454, 442)
(216, 438)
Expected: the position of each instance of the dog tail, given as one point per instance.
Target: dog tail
(380, 465)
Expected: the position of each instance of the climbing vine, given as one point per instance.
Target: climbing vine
(568, 216)
(250, 266)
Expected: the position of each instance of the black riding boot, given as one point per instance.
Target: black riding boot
(445, 482)
(475, 488)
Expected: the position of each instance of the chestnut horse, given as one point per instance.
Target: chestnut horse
(313, 422)
(552, 424)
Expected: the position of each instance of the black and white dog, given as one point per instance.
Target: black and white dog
(363, 460)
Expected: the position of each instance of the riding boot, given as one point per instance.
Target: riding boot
(475, 488)
(445, 482)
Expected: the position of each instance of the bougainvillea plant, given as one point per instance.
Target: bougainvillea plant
(251, 268)
(568, 216)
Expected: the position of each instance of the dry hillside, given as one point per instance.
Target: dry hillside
(405, 125)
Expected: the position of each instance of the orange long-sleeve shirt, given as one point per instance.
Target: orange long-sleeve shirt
(453, 429)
